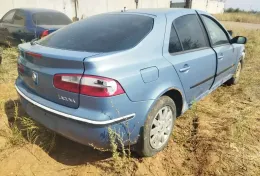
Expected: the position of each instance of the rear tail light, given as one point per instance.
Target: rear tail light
(44, 33)
(20, 68)
(100, 87)
(34, 55)
(88, 85)
(69, 83)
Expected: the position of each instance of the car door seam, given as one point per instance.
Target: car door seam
(226, 69)
(210, 44)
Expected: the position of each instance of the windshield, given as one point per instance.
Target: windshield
(101, 33)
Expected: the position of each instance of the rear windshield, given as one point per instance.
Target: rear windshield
(101, 33)
(50, 18)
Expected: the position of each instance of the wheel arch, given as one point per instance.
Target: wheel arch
(177, 96)
(242, 59)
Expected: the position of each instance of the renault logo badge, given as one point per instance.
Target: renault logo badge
(35, 77)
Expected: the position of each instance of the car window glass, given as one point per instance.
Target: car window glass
(50, 18)
(216, 34)
(174, 45)
(101, 33)
(19, 18)
(190, 32)
(8, 17)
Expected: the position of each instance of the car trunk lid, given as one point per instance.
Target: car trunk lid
(37, 66)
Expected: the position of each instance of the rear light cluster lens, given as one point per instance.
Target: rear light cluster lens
(69, 83)
(88, 85)
(20, 68)
(35, 55)
(44, 33)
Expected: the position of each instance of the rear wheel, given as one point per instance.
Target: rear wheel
(158, 127)
(235, 79)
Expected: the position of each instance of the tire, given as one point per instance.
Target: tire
(235, 79)
(158, 127)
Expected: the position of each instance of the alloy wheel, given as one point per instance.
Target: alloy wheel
(161, 127)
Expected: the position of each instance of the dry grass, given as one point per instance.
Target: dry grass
(239, 17)
(16, 126)
(218, 136)
(227, 133)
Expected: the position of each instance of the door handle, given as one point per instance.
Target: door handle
(221, 56)
(185, 68)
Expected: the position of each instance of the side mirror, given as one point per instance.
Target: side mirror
(230, 32)
(239, 40)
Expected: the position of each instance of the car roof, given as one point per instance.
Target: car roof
(35, 10)
(160, 11)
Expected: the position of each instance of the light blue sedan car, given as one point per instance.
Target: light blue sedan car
(131, 72)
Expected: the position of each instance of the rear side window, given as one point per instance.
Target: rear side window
(50, 18)
(174, 45)
(101, 33)
(190, 32)
(8, 18)
(19, 18)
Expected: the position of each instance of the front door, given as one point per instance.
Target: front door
(5, 22)
(192, 57)
(226, 55)
(17, 29)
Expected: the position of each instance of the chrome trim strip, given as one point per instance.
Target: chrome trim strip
(106, 122)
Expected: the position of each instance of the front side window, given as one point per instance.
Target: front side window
(174, 45)
(190, 32)
(19, 18)
(216, 34)
(8, 18)
(101, 33)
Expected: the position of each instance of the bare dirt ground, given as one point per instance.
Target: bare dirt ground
(218, 136)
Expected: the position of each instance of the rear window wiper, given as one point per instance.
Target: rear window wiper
(34, 41)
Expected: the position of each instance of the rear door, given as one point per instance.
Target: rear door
(50, 21)
(5, 23)
(226, 55)
(189, 51)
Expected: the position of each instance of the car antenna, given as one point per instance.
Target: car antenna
(33, 42)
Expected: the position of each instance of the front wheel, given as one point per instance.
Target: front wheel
(234, 80)
(158, 127)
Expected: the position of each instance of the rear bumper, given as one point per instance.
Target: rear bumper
(69, 116)
(83, 130)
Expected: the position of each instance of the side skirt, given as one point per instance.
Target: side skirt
(212, 89)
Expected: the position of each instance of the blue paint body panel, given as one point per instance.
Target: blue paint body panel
(145, 72)
(16, 34)
(149, 74)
